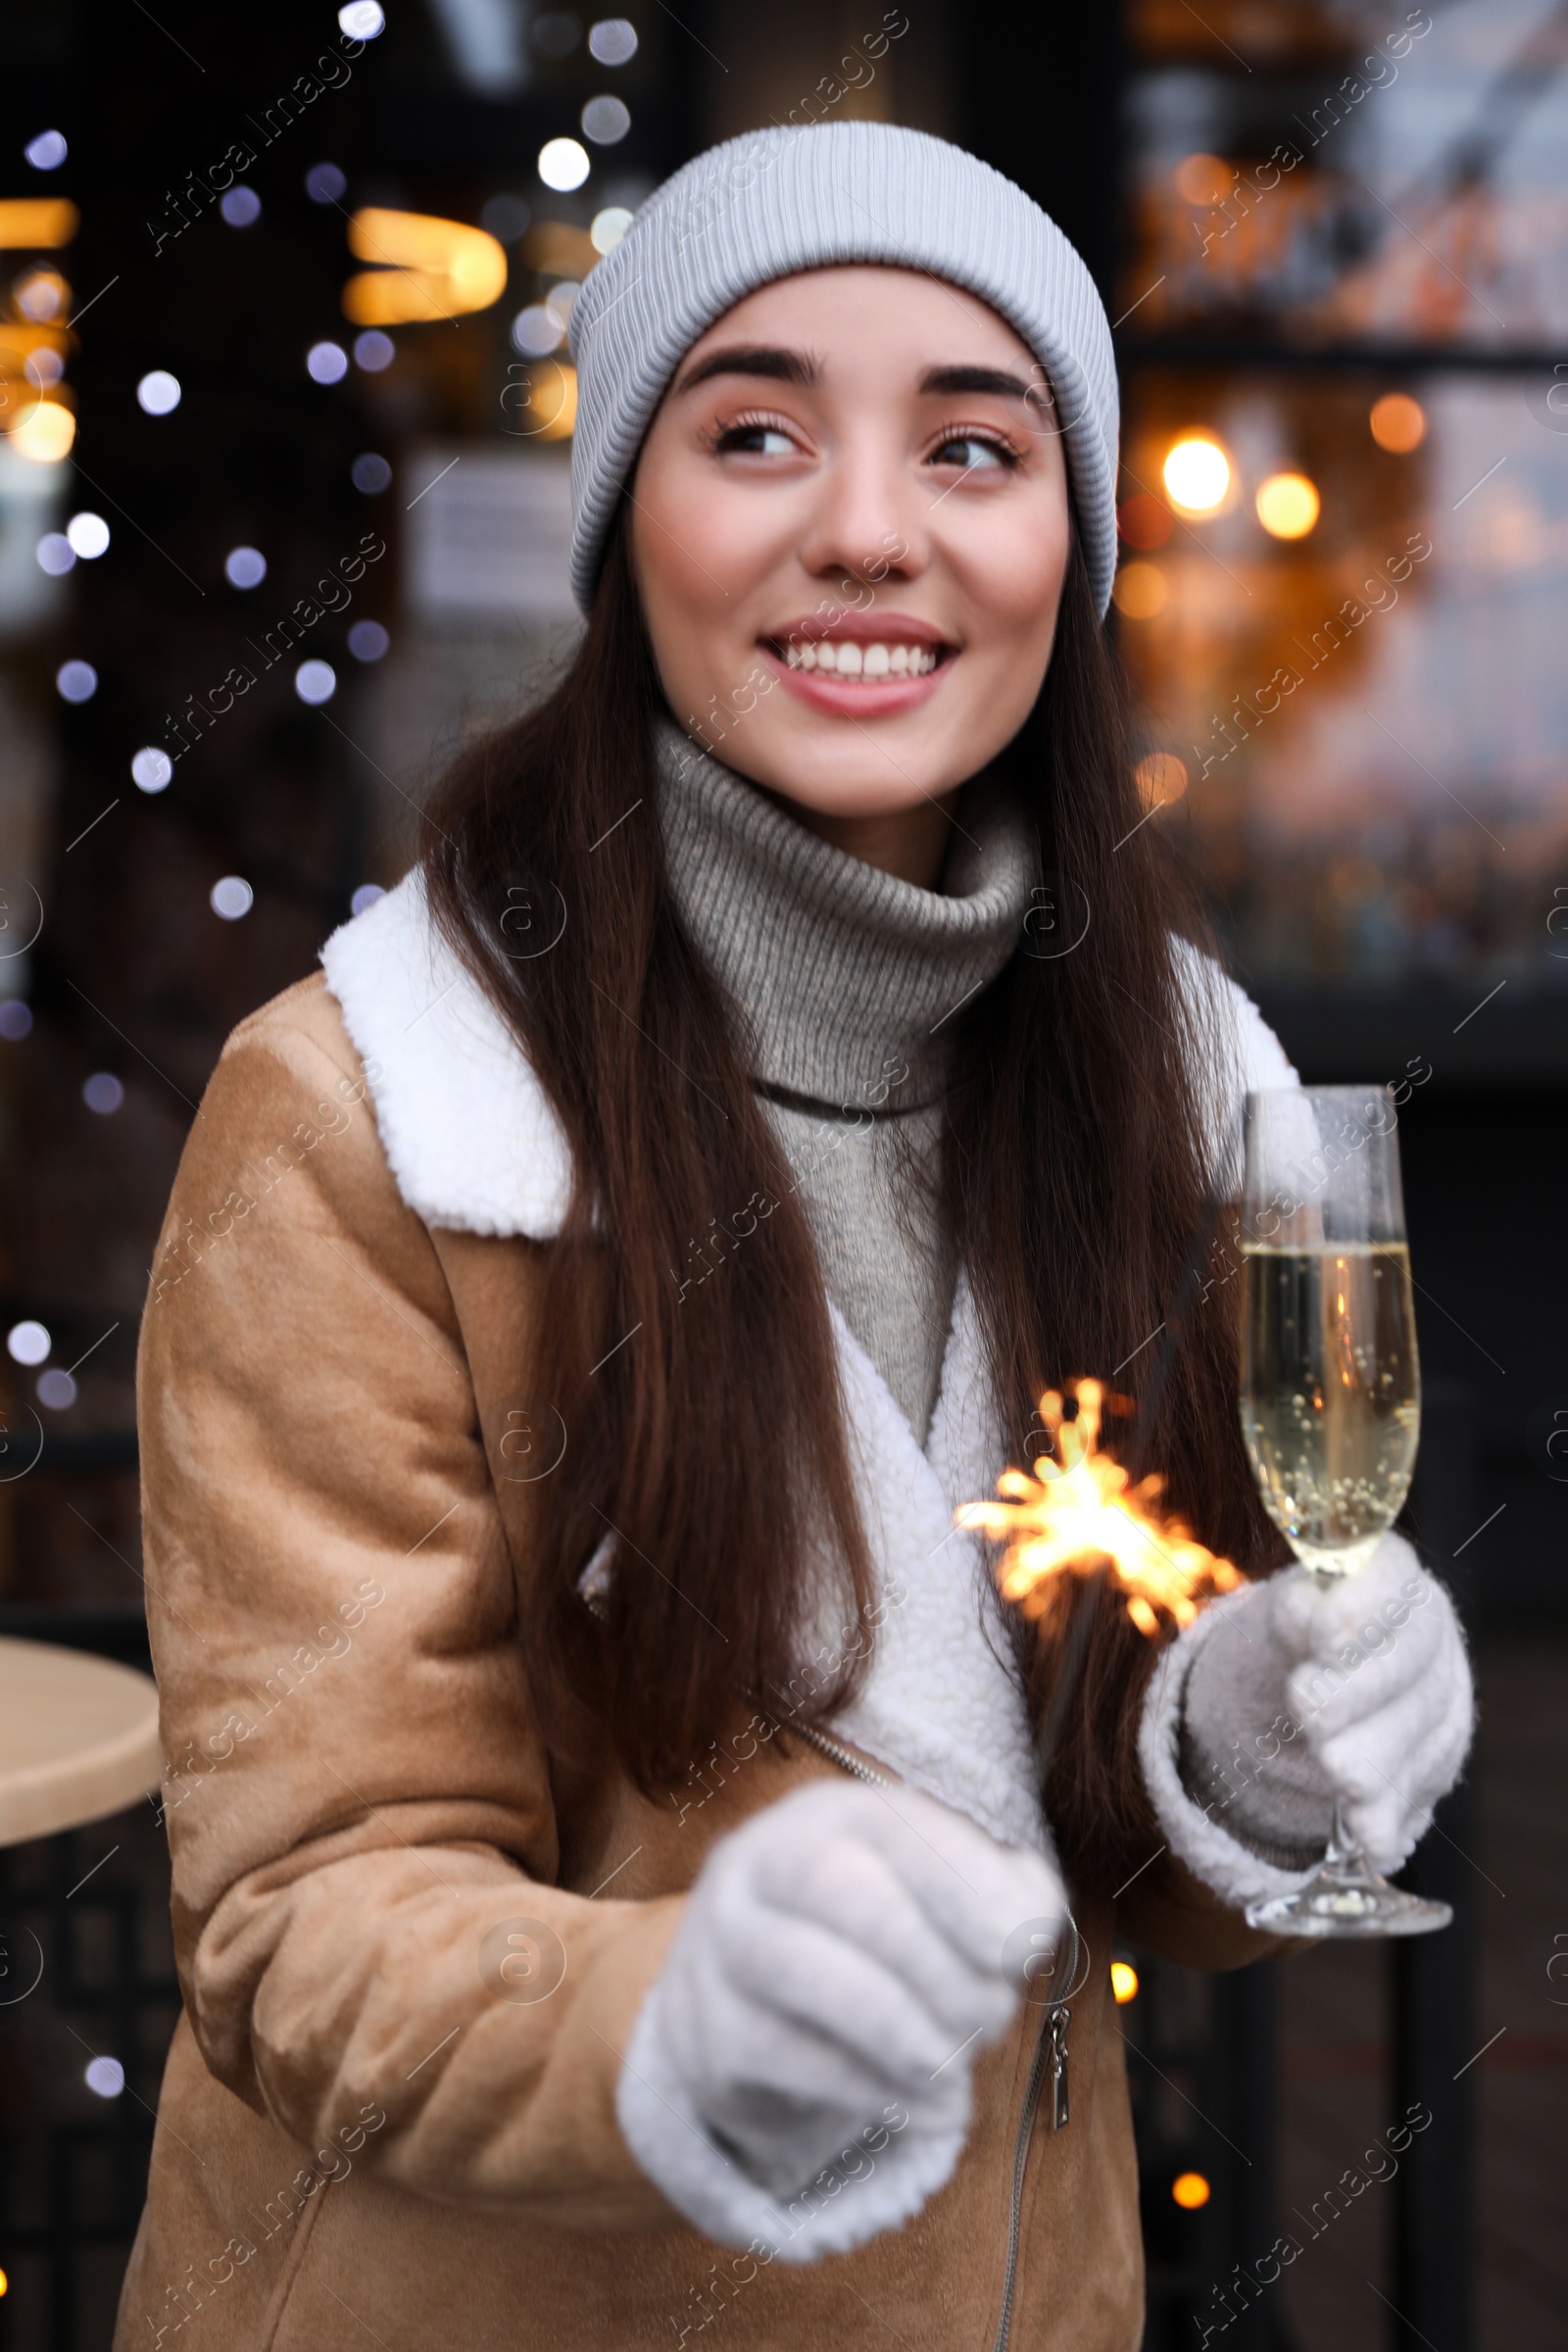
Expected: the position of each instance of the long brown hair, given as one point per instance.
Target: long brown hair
(707, 1431)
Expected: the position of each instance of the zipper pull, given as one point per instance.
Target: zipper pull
(1060, 2020)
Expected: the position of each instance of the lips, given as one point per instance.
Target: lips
(899, 662)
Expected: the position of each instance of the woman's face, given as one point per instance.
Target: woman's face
(857, 465)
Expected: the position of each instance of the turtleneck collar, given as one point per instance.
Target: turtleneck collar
(838, 968)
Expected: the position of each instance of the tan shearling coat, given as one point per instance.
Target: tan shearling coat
(366, 2135)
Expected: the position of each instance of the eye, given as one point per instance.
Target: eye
(977, 453)
(751, 437)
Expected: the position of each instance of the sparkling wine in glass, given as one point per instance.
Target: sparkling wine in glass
(1331, 1395)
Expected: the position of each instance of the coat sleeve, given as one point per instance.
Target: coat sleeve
(357, 1795)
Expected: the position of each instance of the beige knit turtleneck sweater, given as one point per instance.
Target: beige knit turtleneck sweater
(844, 976)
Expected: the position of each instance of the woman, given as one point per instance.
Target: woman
(612, 1885)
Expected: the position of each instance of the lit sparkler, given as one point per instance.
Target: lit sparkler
(1082, 1515)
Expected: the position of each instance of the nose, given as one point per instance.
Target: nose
(868, 520)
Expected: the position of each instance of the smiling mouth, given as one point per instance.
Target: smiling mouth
(846, 657)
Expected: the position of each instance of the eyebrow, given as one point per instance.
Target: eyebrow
(999, 380)
(753, 359)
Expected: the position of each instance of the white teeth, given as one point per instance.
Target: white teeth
(846, 659)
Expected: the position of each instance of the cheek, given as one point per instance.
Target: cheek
(692, 558)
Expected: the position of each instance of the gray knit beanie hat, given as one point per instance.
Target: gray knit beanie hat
(776, 202)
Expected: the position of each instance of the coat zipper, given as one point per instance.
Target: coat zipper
(1050, 2053)
(1050, 2058)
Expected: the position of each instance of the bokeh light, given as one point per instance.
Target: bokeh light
(55, 553)
(1398, 423)
(88, 535)
(16, 1019)
(45, 434)
(536, 331)
(58, 1390)
(244, 568)
(1191, 2190)
(373, 351)
(605, 120)
(158, 393)
(315, 681)
(369, 473)
(1197, 474)
(47, 152)
(151, 769)
(608, 227)
(76, 681)
(1202, 178)
(1145, 521)
(326, 362)
(325, 183)
(361, 19)
(367, 641)
(1288, 505)
(563, 163)
(1123, 1981)
(1140, 591)
(613, 41)
(242, 207)
(1161, 777)
(105, 2075)
(231, 897)
(28, 1342)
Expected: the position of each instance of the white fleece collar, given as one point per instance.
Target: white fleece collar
(476, 1146)
(470, 1134)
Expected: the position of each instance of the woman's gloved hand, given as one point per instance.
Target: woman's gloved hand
(1301, 1692)
(841, 1955)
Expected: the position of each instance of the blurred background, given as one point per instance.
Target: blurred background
(285, 416)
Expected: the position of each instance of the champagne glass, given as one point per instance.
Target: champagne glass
(1331, 1396)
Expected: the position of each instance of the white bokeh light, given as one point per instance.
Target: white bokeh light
(326, 362)
(158, 393)
(613, 41)
(106, 2076)
(363, 20)
(56, 555)
(605, 120)
(88, 535)
(76, 681)
(151, 769)
(534, 332)
(29, 1343)
(47, 152)
(315, 681)
(563, 163)
(244, 568)
(232, 897)
(608, 227)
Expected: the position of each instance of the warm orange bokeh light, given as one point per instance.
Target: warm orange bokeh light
(1197, 474)
(1398, 423)
(1202, 178)
(1161, 777)
(37, 222)
(1123, 1981)
(1140, 591)
(43, 433)
(438, 268)
(1288, 505)
(1190, 2190)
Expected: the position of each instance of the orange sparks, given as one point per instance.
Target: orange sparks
(1081, 1514)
